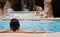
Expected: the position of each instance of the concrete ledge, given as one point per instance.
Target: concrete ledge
(29, 35)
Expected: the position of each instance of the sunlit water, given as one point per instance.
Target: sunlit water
(50, 25)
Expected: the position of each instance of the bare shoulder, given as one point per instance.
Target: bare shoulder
(10, 31)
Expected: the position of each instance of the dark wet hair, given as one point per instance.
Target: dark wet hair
(14, 24)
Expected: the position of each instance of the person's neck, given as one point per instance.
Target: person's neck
(14, 30)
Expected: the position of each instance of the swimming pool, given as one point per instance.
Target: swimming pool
(49, 25)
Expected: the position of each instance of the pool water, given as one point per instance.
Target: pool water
(49, 25)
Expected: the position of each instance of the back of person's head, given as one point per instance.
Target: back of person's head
(14, 24)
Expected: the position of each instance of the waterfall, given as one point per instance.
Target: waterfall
(23, 5)
(7, 8)
(10, 7)
(32, 4)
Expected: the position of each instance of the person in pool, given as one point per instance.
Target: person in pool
(14, 25)
(14, 28)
